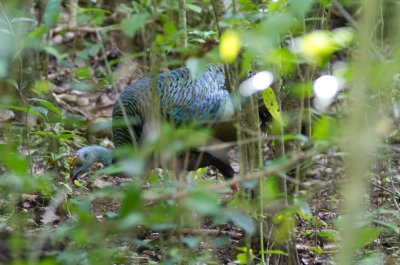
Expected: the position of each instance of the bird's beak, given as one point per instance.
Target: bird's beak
(74, 162)
(73, 174)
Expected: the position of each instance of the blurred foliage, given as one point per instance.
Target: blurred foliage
(74, 46)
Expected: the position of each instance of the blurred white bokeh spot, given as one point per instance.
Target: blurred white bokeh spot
(258, 82)
(326, 87)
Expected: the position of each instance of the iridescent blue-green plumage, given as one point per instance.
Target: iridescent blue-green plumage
(181, 99)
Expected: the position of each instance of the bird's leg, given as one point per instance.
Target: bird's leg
(216, 154)
(177, 163)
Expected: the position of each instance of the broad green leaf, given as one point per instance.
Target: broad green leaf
(26, 110)
(327, 234)
(131, 202)
(376, 259)
(302, 90)
(303, 208)
(37, 33)
(317, 222)
(133, 23)
(272, 105)
(242, 258)
(83, 73)
(48, 105)
(243, 221)
(246, 4)
(65, 137)
(270, 188)
(53, 51)
(202, 203)
(52, 12)
(41, 87)
(300, 7)
(40, 109)
(366, 235)
(191, 241)
(43, 133)
(276, 162)
(325, 129)
(11, 82)
(16, 163)
(131, 220)
(77, 183)
(3, 68)
(317, 250)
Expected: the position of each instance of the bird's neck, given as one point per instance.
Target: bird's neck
(104, 155)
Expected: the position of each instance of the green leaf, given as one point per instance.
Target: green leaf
(375, 259)
(194, 8)
(38, 33)
(247, 5)
(52, 12)
(53, 51)
(300, 7)
(65, 137)
(366, 235)
(317, 250)
(16, 163)
(133, 23)
(26, 110)
(242, 257)
(132, 201)
(83, 73)
(325, 129)
(327, 234)
(272, 105)
(303, 208)
(40, 109)
(202, 203)
(243, 221)
(131, 220)
(270, 188)
(274, 252)
(48, 105)
(191, 241)
(316, 222)
(11, 82)
(295, 137)
(42, 87)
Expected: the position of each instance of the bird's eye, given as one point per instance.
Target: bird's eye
(85, 155)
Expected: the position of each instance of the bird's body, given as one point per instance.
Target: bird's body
(182, 99)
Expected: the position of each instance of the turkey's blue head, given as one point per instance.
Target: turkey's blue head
(84, 158)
